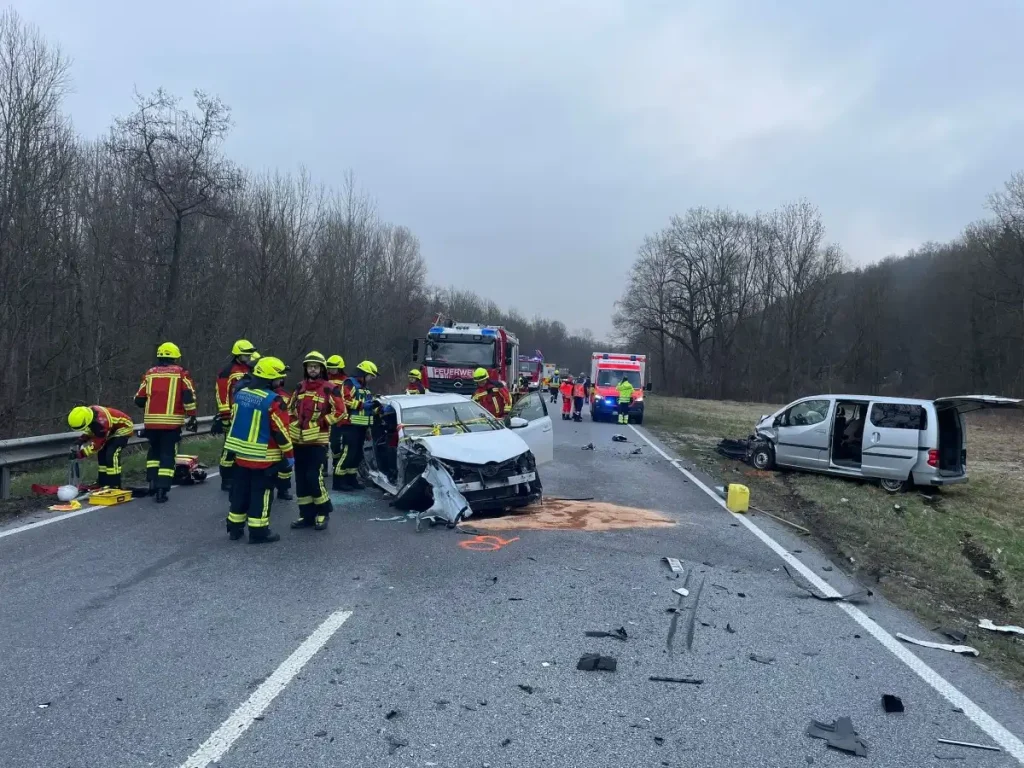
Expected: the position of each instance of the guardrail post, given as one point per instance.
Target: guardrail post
(5, 483)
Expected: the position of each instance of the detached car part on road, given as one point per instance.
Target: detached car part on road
(897, 440)
(492, 465)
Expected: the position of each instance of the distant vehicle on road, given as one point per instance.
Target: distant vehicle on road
(897, 440)
(606, 371)
(532, 367)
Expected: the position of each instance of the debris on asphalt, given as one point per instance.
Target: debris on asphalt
(1010, 629)
(526, 688)
(949, 757)
(659, 740)
(953, 634)
(892, 703)
(674, 563)
(741, 594)
(849, 598)
(618, 634)
(592, 661)
(506, 742)
(44, 705)
(720, 586)
(964, 649)
(515, 599)
(320, 734)
(970, 744)
(762, 659)
(564, 498)
(620, 439)
(636, 451)
(682, 591)
(396, 744)
(492, 580)
(729, 629)
(840, 735)
(693, 615)
(682, 680)
(588, 447)
(395, 519)
(826, 567)
(392, 714)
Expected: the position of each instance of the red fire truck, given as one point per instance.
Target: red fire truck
(452, 351)
(532, 367)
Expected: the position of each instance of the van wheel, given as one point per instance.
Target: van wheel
(894, 486)
(762, 458)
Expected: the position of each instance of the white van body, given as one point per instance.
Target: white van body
(897, 440)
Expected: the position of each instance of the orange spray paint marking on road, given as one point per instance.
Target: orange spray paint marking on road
(485, 543)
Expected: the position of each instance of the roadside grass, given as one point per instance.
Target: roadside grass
(133, 462)
(951, 559)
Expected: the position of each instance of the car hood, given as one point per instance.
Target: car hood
(476, 447)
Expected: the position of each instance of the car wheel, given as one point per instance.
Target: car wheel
(762, 458)
(893, 486)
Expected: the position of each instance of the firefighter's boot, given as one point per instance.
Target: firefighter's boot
(284, 494)
(321, 523)
(161, 495)
(302, 522)
(263, 536)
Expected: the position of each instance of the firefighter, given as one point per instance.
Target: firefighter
(314, 408)
(335, 373)
(579, 395)
(359, 413)
(243, 357)
(105, 432)
(565, 389)
(625, 399)
(415, 385)
(284, 473)
(258, 437)
(492, 395)
(169, 398)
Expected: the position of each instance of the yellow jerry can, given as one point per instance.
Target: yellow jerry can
(737, 498)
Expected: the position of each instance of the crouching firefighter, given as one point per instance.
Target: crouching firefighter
(359, 413)
(243, 357)
(315, 407)
(168, 398)
(105, 432)
(258, 438)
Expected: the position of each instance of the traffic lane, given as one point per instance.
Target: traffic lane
(147, 629)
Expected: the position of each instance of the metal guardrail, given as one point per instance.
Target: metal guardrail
(23, 450)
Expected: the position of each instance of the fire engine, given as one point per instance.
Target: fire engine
(607, 370)
(532, 367)
(452, 351)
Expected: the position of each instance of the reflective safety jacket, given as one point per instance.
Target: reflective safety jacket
(337, 377)
(314, 407)
(168, 395)
(358, 403)
(227, 381)
(415, 388)
(625, 391)
(494, 398)
(259, 429)
(106, 423)
(579, 390)
(565, 388)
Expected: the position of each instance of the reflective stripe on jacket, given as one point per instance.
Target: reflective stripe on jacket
(314, 408)
(227, 380)
(106, 423)
(494, 398)
(358, 403)
(259, 428)
(625, 391)
(168, 395)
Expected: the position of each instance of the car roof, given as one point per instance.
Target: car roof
(428, 398)
(872, 398)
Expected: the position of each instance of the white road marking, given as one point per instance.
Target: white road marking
(998, 733)
(65, 516)
(215, 747)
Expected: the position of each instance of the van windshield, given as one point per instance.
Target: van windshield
(608, 377)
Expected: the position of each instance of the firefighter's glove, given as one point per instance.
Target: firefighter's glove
(217, 428)
(192, 425)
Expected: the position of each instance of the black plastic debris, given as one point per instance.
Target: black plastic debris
(892, 703)
(588, 447)
(594, 661)
(953, 634)
(492, 580)
(320, 734)
(729, 629)
(526, 688)
(618, 634)
(850, 597)
(396, 744)
(636, 451)
(762, 659)
(839, 734)
(515, 599)
(506, 742)
(681, 680)
(733, 449)
(392, 714)
(659, 740)
(620, 439)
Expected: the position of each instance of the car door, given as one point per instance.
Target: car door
(803, 434)
(891, 443)
(538, 433)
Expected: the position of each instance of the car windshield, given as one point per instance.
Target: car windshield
(447, 419)
(526, 367)
(467, 352)
(608, 377)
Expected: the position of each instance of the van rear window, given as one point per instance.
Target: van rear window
(899, 416)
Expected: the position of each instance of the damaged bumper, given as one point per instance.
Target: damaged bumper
(488, 485)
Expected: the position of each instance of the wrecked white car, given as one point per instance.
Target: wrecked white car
(420, 441)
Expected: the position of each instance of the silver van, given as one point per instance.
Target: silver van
(897, 440)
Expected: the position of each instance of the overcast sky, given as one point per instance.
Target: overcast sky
(531, 145)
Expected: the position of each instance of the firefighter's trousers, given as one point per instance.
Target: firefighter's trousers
(252, 493)
(227, 463)
(624, 412)
(347, 471)
(577, 406)
(332, 467)
(310, 491)
(553, 391)
(284, 480)
(108, 462)
(163, 445)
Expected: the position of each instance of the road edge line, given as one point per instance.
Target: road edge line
(995, 730)
(221, 740)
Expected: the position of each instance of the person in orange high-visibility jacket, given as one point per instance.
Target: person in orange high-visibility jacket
(105, 432)
(258, 438)
(359, 410)
(492, 396)
(243, 357)
(168, 398)
(565, 390)
(579, 395)
(314, 407)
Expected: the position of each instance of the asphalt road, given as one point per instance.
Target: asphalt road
(141, 636)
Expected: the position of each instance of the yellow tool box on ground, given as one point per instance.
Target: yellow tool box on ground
(110, 496)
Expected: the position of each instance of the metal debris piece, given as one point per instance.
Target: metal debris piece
(395, 519)
(620, 439)
(892, 703)
(970, 744)
(682, 592)
(964, 649)
(783, 520)
(592, 661)
(588, 447)
(762, 659)
(683, 680)
(1010, 629)
(618, 634)
(396, 744)
(674, 563)
(839, 734)
(526, 688)
(849, 597)
(693, 615)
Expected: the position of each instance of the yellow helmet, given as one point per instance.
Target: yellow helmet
(254, 357)
(480, 374)
(415, 374)
(270, 368)
(167, 349)
(335, 362)
(368, 368)
(242, 347)
(81, 416)
(314, 357)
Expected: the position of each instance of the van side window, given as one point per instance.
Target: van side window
(806, 413)
(899, 416)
